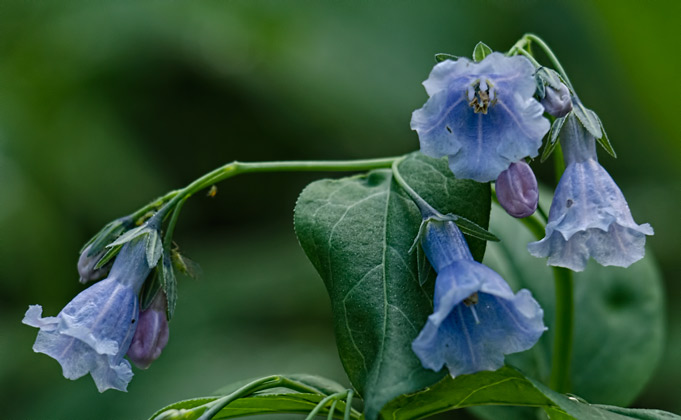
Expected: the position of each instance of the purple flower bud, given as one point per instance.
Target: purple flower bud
(517, 190)
(151, 335)
(557, 102)
(87, 263)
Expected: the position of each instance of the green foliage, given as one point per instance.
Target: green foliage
(357, 232)
(297, 393)
(298, 403)
(505, 386)
(481, 51)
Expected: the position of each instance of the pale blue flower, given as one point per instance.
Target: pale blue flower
(589, 216)
(481, 115)
(477, 319)
(93, 331)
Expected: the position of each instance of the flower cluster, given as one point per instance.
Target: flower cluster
(477, 319)
(103, 323)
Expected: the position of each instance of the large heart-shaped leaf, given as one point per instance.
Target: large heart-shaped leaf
(357, 232)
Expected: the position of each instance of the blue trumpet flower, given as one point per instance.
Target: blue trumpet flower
(477, 319)
(589, 216)
(481, 115)
(93, 331)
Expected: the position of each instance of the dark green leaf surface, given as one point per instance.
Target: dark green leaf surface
(617, 312)
(357, 232)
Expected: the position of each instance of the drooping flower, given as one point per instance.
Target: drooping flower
(481, 115)
(517, 190)
(589, 216)
(93, 331)
(152, 333)
(477, 319)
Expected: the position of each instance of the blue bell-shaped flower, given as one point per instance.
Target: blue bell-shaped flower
(482, 115)
(589, 216)
(477, 319)
(93, 331)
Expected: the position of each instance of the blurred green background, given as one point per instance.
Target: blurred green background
(105, 105)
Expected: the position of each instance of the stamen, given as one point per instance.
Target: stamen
(470, 302)
(481, 94)
(475, 315)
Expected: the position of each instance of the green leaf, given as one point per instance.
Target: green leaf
(357, 232)
(481, 51)
(108, 256)
(552, 138)
(130, 235)
(605, 140)
(587, 117)
(440, 57)
(505, 386)
(296, 403)
(149, 290)
(474, 230)
(617, 312)
(154, 248)
(168, 283)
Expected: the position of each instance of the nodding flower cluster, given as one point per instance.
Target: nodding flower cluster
(103, 323)
(484, 117)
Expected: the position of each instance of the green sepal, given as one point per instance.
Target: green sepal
(605, 140)
(150, 289)
(425, 270)
(593, 125)
(552, 138)
(168, 282)
(130, 235)
(440, 57)
(108, 256)
(154, 247)
(587, 118)
(467, 228)
(108, 233)
(481, 51)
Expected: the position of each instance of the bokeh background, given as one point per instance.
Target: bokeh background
(105, 105)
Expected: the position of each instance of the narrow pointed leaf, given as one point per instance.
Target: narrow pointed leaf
(587, 117)
(440, 57)
(552, 138)
(605, 141)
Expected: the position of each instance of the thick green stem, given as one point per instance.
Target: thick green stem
(563, 326)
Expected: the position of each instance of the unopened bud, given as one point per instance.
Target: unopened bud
(87, 263)
(151, 335)
(557, 102)
(517, 190)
